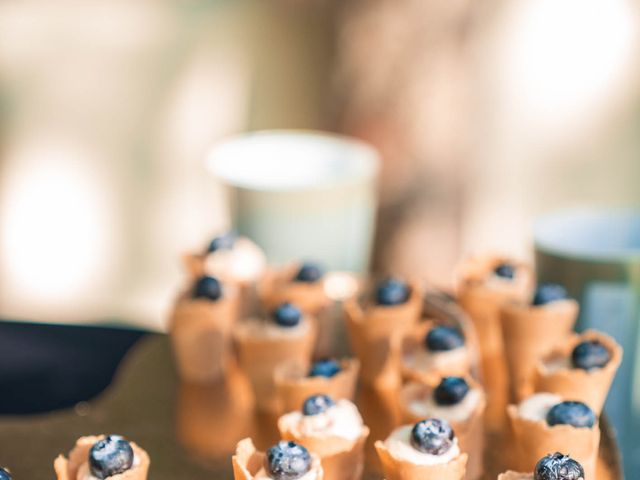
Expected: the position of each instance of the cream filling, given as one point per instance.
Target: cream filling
(400, 448)
(425, 359)
(84, 472)
(341, 420)
(256, 327)
(245, 262)
(536, 407)
(264, 475)
(427, 407)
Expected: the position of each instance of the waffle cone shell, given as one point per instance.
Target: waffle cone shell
(590, 387)
(293, 386)
(260, 356)
(376, 334)
(341, 459)
(395, 469)
(535, 439)
(470, 432)
(200, 333)
(531, 332)
(482, 303)
(278, 287)
(248, 461)
(76, 465)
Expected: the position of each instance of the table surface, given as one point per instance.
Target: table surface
(190, 431)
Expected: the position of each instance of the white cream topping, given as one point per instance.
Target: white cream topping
(424, 359)
(341, 420)
(256, 327)
(536, 407)
(84, 472)
(245, 262)
(427, 407)
(399, 446)
(263, 475)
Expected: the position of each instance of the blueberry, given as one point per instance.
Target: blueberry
(309, 272)
(208, 288)
(225, 241)
(432, 436)
(392, 292)
(451, 391)
(110, 456)
(287, 315)
(505, 270)
(287, 461)
(549, 292)
(4, 474)
(589, 355)
(576, 414)
(316, 404)
(443, 338)
(557, 466)
(326, 367)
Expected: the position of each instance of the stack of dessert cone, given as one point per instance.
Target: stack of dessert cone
(376, 334)
(482, 303)
(77, 465)
(341, 459)
(294, 386)
(590, 387)
(535, 439)
(247, 461)
(259, 357)
(469, 432)
(396, 469)
(529, 333)
(200, 332)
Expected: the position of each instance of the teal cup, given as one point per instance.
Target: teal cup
(595, 254)
(302, 194)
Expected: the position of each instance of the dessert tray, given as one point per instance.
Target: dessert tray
(191, 431)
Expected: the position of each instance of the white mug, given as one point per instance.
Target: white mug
(302, 194)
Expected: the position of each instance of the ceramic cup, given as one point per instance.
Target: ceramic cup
(302, 194)
(595, 254)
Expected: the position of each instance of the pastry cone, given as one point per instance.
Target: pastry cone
(376, 334)
(481, 298)
(529, 333)
(469, 432)
(259, 356)
(204, 410)
(455, 363)
(535, 439)
(395, 469)
(77, 465)
(200, 332)
(293, 386)
(590, 387)
(341, 459)
(247, 461)
(278, 287)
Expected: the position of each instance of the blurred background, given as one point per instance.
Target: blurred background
(487, 114)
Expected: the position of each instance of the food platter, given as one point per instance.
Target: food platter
(190, 431)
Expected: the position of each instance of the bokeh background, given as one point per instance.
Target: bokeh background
(487, 114)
